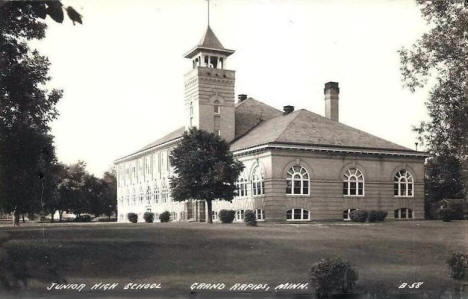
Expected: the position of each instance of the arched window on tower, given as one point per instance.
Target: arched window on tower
(353, 182)
(216, 107)
(403, 184)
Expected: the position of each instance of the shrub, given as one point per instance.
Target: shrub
(165, 216)
(250, 218)
(457, 263)
(456, 206)
(149, 217)
(381, 215)
(82, 218)
(446, 214)
(373, 216)
(227, 216)
(377, 216)
(132, 217)
(358, 215)
(332, 275)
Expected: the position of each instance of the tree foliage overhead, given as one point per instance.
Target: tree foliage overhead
(440, 58)
(204, 168)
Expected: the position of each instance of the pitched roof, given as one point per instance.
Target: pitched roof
(209, 41)
(305, 127)
(250, 113)
(169, 137)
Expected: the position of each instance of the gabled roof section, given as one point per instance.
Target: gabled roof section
(167, 138)
(308, 128)
(250, 113)
(209, 42)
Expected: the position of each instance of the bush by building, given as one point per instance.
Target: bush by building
(227, 216)
(132, 217)
(149, 217)
(446, 214)
(358, 215)
(458, 264)
(331, 276)
(250, 218)
(165, 216)
(377, 216)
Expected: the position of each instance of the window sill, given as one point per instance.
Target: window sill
(401, 196)
(301, 195)
(353, 196)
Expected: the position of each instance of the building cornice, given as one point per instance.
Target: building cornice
(331, 149)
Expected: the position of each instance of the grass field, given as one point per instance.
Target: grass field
(179, 254)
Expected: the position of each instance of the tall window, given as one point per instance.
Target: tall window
(164, 194)
(297, 214)
(216, 107)
(239, 215)
(353, 182)
(260, 214)
(241, 185)
(148, 195)
(258, 185)
(403, 184)
(191, 114)
(155, 194)
(141, 196)
(403, 213)
(297, 181)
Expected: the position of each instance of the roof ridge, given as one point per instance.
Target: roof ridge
(291, 120)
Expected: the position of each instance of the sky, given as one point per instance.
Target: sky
(122, 70)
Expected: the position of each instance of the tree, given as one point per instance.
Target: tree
(70, 189)
(109, 195)
(26, 106)
(440, 56)
(204, 169)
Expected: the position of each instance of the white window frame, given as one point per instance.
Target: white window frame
(303, 175)
(302, 215)
(240, 215)
(407, 213)
(242, 187)
(358, 175)
(403, 178)
(258, 182)
(260, 214)
(348, 214)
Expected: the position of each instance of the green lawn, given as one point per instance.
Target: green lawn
(179, 254)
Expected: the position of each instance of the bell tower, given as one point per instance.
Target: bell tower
(209, 88)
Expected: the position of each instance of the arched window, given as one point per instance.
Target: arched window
(403, 213)
(403, 184)
(347, 214)
(258, 185)
(353, 182)
(297, 181)
(216, 107)
(241, 185)
(260, 214)
(297, 214)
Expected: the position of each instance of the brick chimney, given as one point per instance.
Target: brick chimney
(332, 92)
(288, 109)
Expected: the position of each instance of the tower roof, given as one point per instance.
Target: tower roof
(209, 42)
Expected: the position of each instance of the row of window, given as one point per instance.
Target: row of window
(239, 216)
(143, 169)
(150, 197)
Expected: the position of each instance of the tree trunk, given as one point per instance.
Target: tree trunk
(16, 218)
(60, 215)
(52, 216)
(209, 217)
(22, 217)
